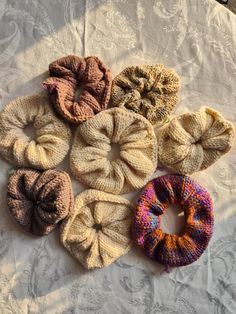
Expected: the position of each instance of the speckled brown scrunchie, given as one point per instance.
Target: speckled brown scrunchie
(150, 90)
(71, 72)
(39, 200)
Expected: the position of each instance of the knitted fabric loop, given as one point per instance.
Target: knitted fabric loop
(92, 143)
(150, 90)
(71, 72)
(171, 249)
(52, 135)
(194, 141)
(98, 231)
(39, 200)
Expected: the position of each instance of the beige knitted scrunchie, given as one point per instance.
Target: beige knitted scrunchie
(150, 90)
(194, 141)
(52, 135)
(92, 143)
(98, 231)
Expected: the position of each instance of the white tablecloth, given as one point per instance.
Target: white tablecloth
(197, 39)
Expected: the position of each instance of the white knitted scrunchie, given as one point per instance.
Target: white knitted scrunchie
(99, 230)
(194, 141)
(92, 143)
(52, 140)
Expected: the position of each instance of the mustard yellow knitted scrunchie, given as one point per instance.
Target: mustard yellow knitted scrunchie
(92, 143)
(150, 90)
(52, 135)
(194, 141)
(98, 231)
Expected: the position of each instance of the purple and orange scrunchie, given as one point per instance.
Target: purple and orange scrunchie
(171, 249)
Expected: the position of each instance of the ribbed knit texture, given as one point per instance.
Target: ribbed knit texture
(39, 200)
(92, 143)
(150, 90)
(52, 135)
(171, 249)
(194, 141)
(71, 72)
(98, 231)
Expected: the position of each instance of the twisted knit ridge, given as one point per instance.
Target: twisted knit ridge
(52, 135)
(172, 249)
(150, 90)
(92, 143)
(194, 141)
(39, 200)
(98, 231)
(71, 72)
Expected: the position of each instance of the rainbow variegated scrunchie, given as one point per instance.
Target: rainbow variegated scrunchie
(171, 249)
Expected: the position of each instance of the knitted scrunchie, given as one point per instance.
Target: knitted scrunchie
(39, 200)
(171, 249)
(52, 135)
(150, 90)
(98, 232)
(194, 141)
(70, 72)
(92, 143)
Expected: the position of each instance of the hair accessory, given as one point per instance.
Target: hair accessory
(172, 249)
(70, 72)
(98, 231)
(52, 135)
(92, 143)
(150, 90)
(39, 200)
(194, 141)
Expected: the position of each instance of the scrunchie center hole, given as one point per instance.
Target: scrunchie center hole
(78, 92)
(29, 131)
(199, 141)
(97, 227)
(173, 220)
(114, 153)
(144, 94)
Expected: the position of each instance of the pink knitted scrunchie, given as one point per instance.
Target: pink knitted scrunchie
(171, 249)
(71, 72)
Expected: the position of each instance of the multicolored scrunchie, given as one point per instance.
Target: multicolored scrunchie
(171, 249)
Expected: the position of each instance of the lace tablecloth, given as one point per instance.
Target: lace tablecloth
(197, 39)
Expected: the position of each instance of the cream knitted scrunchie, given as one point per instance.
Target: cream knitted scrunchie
(150, 90)
(98, 231)
(92, 143)
(194, 141)
(52, 135)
